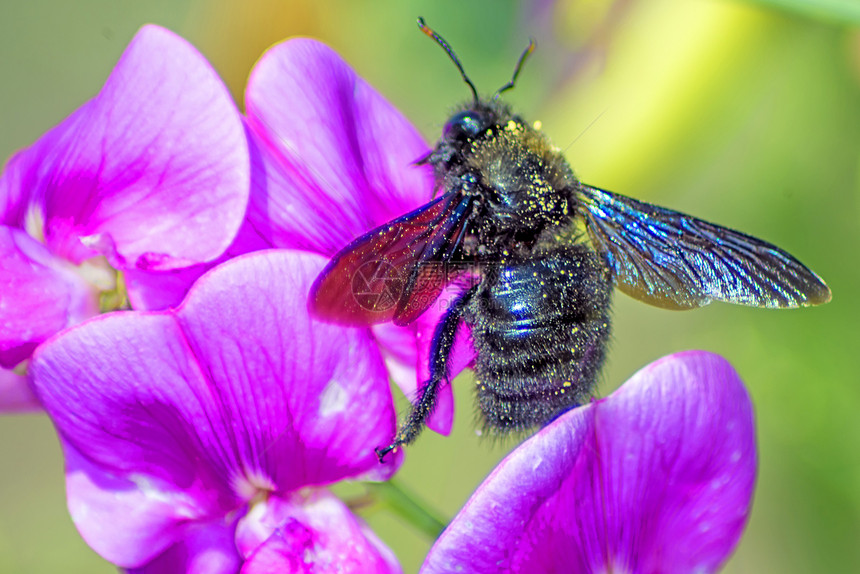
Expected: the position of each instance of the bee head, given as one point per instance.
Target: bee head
(472, 123)
(475, 121)
(466, 125)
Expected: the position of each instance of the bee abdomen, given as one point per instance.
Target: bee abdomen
(540, 329)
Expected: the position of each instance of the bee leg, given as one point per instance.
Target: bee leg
(443, 342)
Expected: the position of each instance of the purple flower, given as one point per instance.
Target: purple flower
(331, 159)
(151, 175)
(200, 439)
(657, 477)
(334, 163)
(330, 166)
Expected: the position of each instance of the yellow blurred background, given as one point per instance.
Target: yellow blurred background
(742, 113)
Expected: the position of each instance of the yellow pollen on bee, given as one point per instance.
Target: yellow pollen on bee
(512, 127)
(538, 125)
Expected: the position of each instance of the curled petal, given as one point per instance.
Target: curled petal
(153, 172)
(39, 295)
(156, 290)
(15, 183)
(312, 532)
(462, 356)
(658, 477)
(399, 349)
(15, 393)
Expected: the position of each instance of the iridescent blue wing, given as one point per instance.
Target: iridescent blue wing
(676, 261)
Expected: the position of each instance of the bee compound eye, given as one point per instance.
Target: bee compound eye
(464, 125)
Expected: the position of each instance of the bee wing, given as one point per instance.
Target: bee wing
(676, 261)
(395, 271)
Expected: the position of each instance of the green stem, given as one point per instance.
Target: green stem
(405, 505)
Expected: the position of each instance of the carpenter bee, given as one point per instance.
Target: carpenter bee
(536, 253)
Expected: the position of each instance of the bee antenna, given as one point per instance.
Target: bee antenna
(428, 31)
(529, 49)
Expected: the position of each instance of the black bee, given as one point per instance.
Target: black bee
(537, 253)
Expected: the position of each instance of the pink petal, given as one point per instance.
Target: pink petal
(330, 166)
(15, 394)
(235, 393)
(158, 290)
(154, 171)
(313, 397)
(658, 477)
(205, 549)
(15, 185)
(39, 296)
(310, 533)
(689, 419)
(129, 520)
(324, 382)
(337, 157)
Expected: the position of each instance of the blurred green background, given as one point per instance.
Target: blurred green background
(743, 113)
